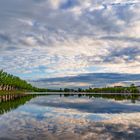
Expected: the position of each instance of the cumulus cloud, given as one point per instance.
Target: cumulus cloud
(58, 38)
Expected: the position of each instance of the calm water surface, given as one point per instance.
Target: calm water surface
(75, 117)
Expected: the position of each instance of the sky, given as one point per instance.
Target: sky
(71, 43)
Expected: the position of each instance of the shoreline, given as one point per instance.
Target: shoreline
(68, 93)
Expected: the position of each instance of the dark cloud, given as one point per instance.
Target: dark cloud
(103, 21)
(127, 54)
(123, 38)
(69, 4)
(91, 79)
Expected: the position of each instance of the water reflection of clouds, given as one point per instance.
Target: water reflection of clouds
(40, 120)
(29, 127)
(88, 105)
(25, 123)
(39, 112)
(41, 108)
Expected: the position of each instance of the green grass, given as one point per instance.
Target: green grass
(11, 92)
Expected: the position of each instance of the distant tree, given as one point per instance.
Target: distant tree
(79, 90)
(132, 85)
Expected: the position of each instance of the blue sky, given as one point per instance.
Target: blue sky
(46, 39)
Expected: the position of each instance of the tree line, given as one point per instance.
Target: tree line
(116, 89)
(8, 82)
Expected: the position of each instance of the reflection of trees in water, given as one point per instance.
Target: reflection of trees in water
(13, 104)
(119, 97)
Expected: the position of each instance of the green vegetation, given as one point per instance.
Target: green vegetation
(13, 104)
(117, 89)
(12, 92)
(117, 97)
(9, 82)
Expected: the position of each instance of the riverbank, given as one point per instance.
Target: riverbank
(63, 93)
(10, 97)
(12, 92)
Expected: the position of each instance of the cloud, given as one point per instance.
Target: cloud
(58, 38)
(89, 80)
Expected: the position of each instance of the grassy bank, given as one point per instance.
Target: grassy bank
(11, 92)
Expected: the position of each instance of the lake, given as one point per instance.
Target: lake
(67, 117)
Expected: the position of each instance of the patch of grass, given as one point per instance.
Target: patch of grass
(11, 92)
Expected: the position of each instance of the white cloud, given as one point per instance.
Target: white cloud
(67, 38)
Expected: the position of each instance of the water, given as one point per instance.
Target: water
(77, 117)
